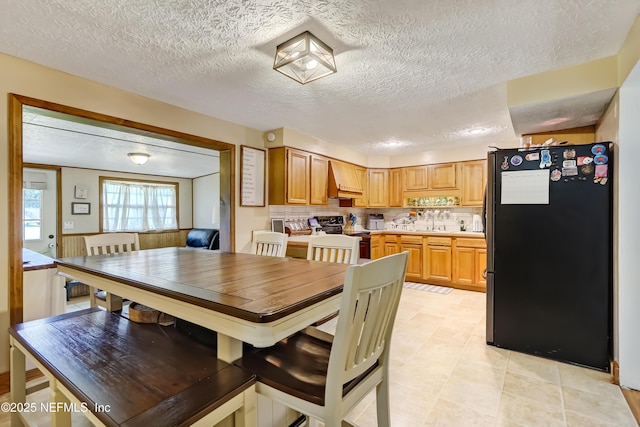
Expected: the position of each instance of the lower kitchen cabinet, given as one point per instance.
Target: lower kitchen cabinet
(413, 245)
(454, 261)
(377, 246)
(437, 259)
(391, 244)
(469, 262)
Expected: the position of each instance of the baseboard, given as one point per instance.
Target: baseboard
(5, 379)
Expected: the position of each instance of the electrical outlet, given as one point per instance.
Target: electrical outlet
(68, 225)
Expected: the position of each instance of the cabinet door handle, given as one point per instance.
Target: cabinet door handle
(484, 273)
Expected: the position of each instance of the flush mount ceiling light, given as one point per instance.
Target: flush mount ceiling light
(139, 158)
(304, 58)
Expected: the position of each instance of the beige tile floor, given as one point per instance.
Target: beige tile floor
(444, 374)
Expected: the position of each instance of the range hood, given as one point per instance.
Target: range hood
(343, 180)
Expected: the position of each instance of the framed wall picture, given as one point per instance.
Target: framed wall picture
(80, 192)
(80, 208)
(252, 176)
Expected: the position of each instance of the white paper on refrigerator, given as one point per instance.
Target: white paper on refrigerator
(530, 187)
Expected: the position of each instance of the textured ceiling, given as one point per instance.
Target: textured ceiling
(417, 72)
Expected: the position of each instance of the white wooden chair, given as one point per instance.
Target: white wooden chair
(323, 376)
(269, 243)
(109, 243)
(334, 248)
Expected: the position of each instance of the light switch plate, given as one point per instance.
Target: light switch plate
(68, 225)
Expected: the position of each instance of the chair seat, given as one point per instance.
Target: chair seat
(297, 366)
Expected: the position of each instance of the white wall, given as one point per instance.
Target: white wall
(629, 232)
(91, 179)
(206, 201)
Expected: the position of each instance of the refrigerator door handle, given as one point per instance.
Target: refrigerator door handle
(488, 206)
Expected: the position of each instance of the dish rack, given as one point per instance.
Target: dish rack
(297, 228)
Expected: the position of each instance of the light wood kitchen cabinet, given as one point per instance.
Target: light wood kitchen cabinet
(474, 180)
(362, 202)
(413, 244)
(437, 259)
(378, 188)
(288, 176)
(319, 177)
(416, 178)
(395, 188)
(443, 176)
(377, 246)
(469, 261)
(391, 244)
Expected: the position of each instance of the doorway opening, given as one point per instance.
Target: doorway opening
(112, 128)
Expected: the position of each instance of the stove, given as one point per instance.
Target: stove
(331, 224)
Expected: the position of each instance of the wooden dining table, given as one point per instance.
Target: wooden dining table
(243, 297)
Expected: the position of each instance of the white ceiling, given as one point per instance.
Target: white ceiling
(59, 139)
(417, 72)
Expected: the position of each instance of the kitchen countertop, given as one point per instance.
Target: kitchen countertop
(303, 240)
(432, 233)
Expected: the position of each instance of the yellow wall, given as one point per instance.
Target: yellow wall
(29, 79)
(564, 83)
(629, 54)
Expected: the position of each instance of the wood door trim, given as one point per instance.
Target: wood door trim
(16, 102)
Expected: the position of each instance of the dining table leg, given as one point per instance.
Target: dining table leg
(229, 349)
(17, 380)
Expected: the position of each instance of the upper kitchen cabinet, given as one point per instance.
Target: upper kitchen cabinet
(474, 180)
(319, 180)
(416, 178)
(395, 188)
(362, 202)
(289, 176)
(443, 176)
(378, 188)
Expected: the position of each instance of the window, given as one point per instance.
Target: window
(138, 205)
(32, 214)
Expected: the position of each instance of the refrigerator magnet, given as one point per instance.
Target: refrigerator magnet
(569, 164)
(602, 171)
(584, 160)
(545, 162)
(505, 163)
(598, 149)
(586, 169)
(570, 171)
(600, 159)
(532, 156)
(569, 154)
(516, 160)
(555, 175)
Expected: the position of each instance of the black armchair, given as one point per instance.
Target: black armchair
(206, 238)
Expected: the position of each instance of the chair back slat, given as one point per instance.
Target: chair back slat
(336, 248)
(268, 243)
(367, 313)
(111, 243)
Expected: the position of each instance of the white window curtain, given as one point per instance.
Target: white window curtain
(138, 206)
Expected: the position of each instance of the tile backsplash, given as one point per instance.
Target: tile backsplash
(300, 213)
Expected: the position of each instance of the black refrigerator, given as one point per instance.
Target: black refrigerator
(549, 234)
